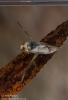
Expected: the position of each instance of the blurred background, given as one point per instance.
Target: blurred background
(51, 83)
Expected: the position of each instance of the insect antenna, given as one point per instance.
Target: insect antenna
(25, 31)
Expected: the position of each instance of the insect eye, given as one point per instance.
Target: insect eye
(23, 48)
(23, 43)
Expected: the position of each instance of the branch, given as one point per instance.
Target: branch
(11, 74)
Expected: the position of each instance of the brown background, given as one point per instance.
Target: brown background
(51, 83)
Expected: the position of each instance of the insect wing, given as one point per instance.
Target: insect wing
(43, 48)
(40, 50)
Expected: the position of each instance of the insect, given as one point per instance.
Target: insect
(36, 48)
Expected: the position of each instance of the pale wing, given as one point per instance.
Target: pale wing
(43, 48)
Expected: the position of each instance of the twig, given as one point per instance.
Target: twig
(11, 74)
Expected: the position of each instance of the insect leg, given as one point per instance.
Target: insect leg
(25, 32)
(23, 76)
(25, 71)
(34, 63)
(35, 55)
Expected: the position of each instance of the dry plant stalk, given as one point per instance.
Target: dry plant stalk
(11, 74)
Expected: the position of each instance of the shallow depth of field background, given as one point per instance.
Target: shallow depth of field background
(51, 83)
